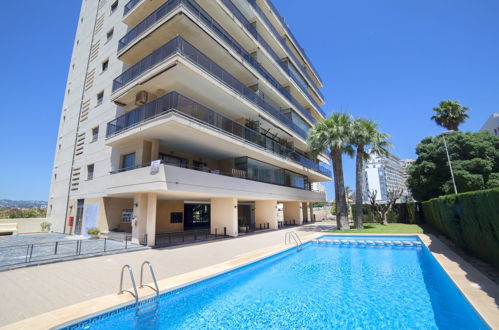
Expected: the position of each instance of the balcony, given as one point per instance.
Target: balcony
(174, 182)
(300, 83)
(150, 22)
(292, 37)
(178, 46)
(281, 40)
(175, 102)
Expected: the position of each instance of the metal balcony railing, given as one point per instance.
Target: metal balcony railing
(174, 101)
(252, 30)
(181, 47)
(203, 16)
(290, 34)
(282, 42)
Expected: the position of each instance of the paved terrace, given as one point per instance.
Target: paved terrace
(27, 292)
(41, 248)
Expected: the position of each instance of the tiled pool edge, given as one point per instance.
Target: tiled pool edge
(466, 278)
(457, 269)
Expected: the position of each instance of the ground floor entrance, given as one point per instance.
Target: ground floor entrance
(152, 220)
(196, 216)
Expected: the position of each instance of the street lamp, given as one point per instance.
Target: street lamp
(448, 159)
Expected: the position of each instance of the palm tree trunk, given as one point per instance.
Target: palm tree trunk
(341, 207)
(359, 180)
(336, 190)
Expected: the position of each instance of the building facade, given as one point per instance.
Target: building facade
(492, 124)
(185, 114)
(383, 174)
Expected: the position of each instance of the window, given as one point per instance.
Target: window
(114, 6)
(105, 65)
(90, 172)
(95, 133)
(100, 98)
(176, 217)
(173, 160)
(109, 34)
(128, 162)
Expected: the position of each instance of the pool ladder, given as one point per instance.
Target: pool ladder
(292, 235)
(132, 278)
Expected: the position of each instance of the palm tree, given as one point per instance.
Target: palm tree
(450, 114)
(333, 133)
(365, 134)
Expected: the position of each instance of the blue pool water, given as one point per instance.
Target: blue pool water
(323, 286)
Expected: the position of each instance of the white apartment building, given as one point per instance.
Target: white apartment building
(492, 124)
(383, 174)
(185, 114)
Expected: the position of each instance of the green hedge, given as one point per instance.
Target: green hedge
(470, 220)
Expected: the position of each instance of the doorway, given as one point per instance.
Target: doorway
(246, 217)
(197, 216)
(79, 216)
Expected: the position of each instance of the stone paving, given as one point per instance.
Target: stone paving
(35, 290)
(35, 249)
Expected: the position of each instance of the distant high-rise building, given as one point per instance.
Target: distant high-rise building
(492, 124)
(185, 114)
(383, 174)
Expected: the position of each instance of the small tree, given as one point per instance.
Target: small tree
(391, 198)
(372, 201)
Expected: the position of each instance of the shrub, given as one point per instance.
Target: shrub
(45, 225)
(470, 220)
(93, 231)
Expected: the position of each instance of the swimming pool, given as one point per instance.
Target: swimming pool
(322, 286)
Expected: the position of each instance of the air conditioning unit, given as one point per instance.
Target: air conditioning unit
(141, 98)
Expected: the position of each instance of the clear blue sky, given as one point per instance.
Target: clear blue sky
(388, 60)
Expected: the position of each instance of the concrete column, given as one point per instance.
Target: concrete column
(266, 212)
(224, 214)
(293, 211)
(155, 149)
(151, 218)
(139, 222)
(311, 209)
(305, 211)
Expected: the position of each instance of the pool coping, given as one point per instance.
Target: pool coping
(480, 291)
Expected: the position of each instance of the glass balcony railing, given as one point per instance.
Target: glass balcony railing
(198, 12)
(129, 6)
(174, 101)
(282, 42)
(179, 46)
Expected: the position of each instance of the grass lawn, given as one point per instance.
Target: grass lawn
(391, 228)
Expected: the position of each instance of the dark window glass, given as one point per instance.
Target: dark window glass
(95, 133)
(90, 172)
(173, 160)
(105, 65)
(114, 6)
(100, 98)
(109, 34)
(128, 161)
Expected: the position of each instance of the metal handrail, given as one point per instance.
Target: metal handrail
(141, 285)
(136, 295)
(295, 237)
